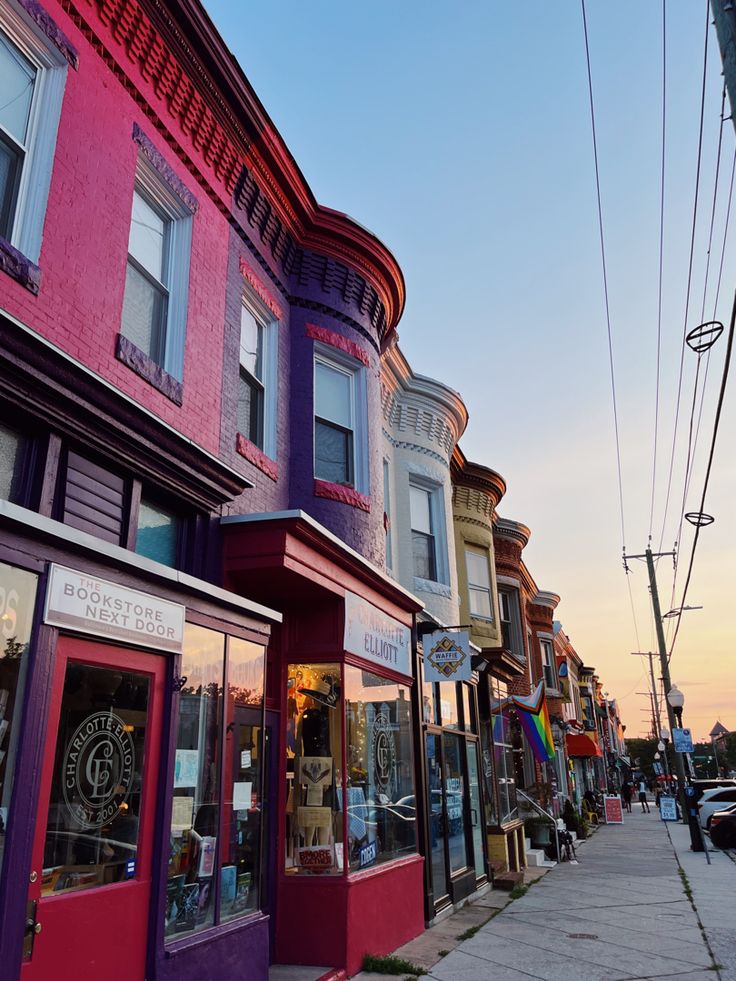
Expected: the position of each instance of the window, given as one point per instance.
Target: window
(508, 609)
(258, 377)
(158, 533)
(479, 583)
(157, 274)
(423, 536)
(502, 719)
(32, 77)
(381, 806)
(339, 407)
(548, 664)
(13, 454)
(215, 841)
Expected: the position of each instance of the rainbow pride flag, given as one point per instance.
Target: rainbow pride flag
(534, 719)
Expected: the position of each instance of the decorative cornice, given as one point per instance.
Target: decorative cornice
(415, 448)
(333, 339)
(51, 29)
(477, 477)
(514, 530)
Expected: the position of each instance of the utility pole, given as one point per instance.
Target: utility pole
(654, 699)
(664, 663)
(724, 17)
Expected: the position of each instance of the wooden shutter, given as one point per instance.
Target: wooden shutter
(94, 499)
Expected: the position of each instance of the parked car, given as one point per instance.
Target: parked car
(715, 799)
(702, 785)
(723, 828)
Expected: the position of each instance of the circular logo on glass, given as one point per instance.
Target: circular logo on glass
(384, 753)
(98, 767)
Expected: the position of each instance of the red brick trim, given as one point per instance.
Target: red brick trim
(257, 457)
(334, 339)
(260, 290)
(345, 495)
(139, 362)
(15, 264)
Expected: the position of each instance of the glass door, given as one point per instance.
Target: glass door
(476, 821)
(456, 801)
(437, 822)
(88, 901)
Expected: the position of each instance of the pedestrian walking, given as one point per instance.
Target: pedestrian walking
(626, 791)
(643, 796)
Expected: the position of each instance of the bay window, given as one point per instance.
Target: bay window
(339, 428)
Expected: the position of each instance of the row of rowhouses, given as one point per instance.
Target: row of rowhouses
(237, 528)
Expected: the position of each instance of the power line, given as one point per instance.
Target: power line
(724, 379)
(661, 260)
(689, 274)
(605, 277)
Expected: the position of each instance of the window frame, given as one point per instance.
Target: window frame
(268, 384)
(549, 668)
(515, 638)
(438, 525)
(484, 555)
(358, 462)
(150, 185)
(31, 199)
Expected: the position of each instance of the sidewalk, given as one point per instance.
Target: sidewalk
(621, 913)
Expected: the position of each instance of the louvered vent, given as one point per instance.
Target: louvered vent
(94, 499)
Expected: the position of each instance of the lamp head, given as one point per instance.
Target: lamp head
(675, 697)
(660, 747)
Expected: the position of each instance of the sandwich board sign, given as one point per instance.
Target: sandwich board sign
(667, 808)
(613, 810)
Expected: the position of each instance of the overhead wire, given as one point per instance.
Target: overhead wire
(689, 276)
(605, 277)
(719, 408)
(661, 260)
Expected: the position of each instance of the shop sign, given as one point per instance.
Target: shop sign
(613, 809)
(668, 808)
(375, 636)
(94, 606)
(368, 854)
(682, 740)
(447, 656)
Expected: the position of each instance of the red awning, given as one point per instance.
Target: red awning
(582, 745)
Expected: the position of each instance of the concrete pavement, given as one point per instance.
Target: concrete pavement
(621, 913)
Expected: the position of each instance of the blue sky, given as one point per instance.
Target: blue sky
(460, 134)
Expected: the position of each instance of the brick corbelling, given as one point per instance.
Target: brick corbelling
(345, 495)
(261, 291)
(257, 457)
(334, 339)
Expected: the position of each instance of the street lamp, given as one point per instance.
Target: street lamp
(657, 756)
(677, 701)
(660, 746)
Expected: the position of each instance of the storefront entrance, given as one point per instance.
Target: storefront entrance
(90, 884)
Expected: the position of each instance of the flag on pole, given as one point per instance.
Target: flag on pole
(534, 719)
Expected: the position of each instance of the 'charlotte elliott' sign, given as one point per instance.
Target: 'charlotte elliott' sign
(376, 636)
(94, 606)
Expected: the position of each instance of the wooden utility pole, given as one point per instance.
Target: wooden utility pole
(724, 17)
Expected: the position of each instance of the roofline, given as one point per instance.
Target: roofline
(475, 475)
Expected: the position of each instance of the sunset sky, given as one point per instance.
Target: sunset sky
(460, 134)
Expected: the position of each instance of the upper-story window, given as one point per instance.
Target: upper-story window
(477, 563)
(32, 77)
(427, 531)
(339, 429)
(158, 532)
(258, 378)
(548, 664)
(157, 274)
(508, 609)
(13, 456)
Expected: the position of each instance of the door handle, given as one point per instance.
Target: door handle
(32, 930)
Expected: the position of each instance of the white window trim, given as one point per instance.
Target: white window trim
(546, 639)
(439, 526)
(270, 359)
(154, 187)
(484, 553)
(333, 357)
(43, 126)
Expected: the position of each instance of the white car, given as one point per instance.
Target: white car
(716, 799)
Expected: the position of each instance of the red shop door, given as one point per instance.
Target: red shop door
(90, 886)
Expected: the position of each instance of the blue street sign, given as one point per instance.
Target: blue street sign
(682, 740)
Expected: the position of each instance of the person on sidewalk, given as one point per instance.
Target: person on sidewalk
(626, 792)
(643, 796)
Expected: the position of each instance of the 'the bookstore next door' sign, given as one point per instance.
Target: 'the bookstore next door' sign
(95, 606)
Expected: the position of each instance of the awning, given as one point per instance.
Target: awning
(582, 745)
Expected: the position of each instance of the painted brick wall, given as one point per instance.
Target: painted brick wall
(84, 249)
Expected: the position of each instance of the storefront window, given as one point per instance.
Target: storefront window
(449, 710)
(381, 806)
(430, 703)
(488, 775)
(501, 723)
(215, 822)
(314, 833)
(17, 599)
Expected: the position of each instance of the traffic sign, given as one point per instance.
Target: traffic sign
(682, 740)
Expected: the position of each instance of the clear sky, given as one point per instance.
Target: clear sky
(460, 134)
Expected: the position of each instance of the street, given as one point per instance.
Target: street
(621, 913)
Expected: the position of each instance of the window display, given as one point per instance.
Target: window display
(380, 801)
(314, 833)
(503, 750)
(17, 599)
(216, 808)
